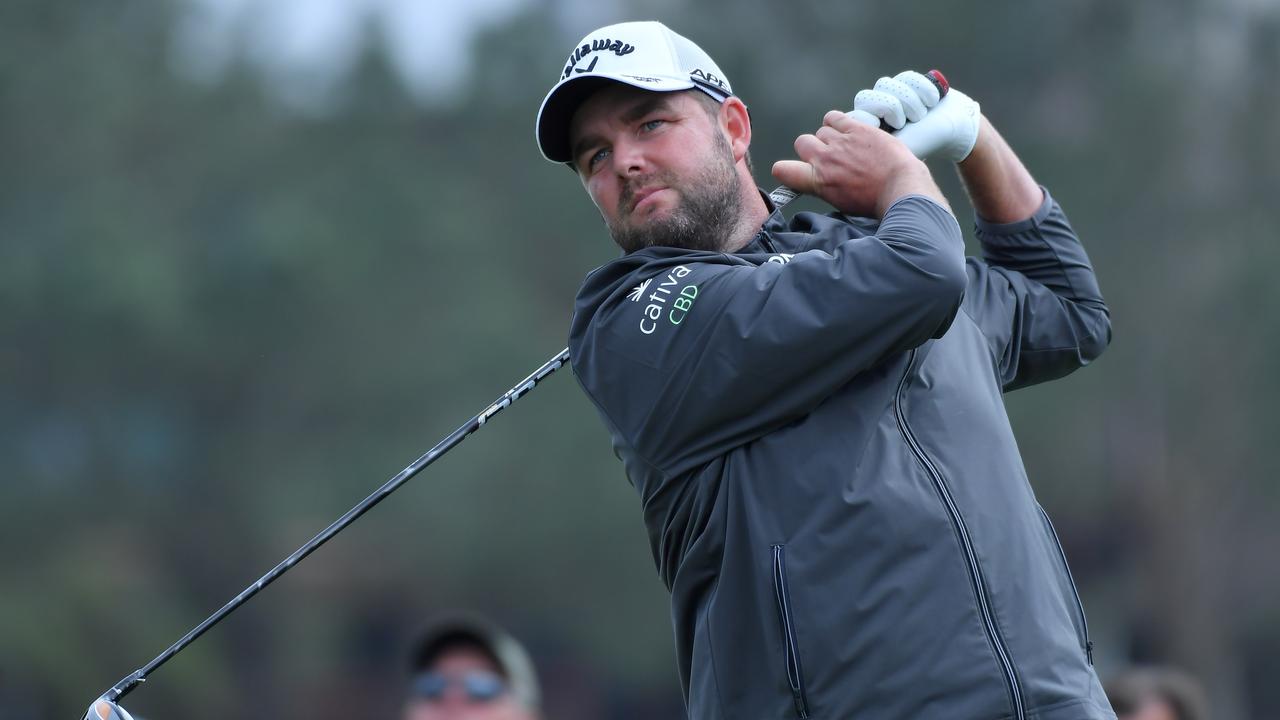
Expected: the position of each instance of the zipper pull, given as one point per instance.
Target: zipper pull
(1088, 651)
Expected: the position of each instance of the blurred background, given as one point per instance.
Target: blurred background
(258, 255)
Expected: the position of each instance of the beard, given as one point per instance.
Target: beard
(709, 209)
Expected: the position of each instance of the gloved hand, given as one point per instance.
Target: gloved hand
(909, 103)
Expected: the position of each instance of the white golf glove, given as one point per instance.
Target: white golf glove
(909, 103)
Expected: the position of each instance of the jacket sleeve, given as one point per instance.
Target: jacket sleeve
(1036, 298)
(760, 346)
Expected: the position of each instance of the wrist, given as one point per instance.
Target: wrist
(999, 186)
(984, 146)
(911, 178)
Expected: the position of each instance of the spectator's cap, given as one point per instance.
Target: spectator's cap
(464, 629)
(647, 55)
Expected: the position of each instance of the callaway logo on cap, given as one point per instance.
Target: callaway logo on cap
(646, 55)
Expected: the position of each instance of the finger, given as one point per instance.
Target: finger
(808, 147)
(864, 117)
(828, 134)
(925, 88)
(797, 175)
(912, 105)
(838, 120)
(882, 105)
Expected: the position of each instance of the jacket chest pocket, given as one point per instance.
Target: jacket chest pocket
(782, 594)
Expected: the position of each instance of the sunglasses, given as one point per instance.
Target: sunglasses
(478, 687)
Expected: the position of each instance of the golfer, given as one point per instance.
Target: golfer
(810, 409)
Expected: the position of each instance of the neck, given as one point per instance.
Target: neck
(754, 213)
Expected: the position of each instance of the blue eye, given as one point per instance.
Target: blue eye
(597, 157)
(652, 125)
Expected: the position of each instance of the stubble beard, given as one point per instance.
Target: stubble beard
(705, 218)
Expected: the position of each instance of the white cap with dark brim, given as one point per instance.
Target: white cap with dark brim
(647, 55)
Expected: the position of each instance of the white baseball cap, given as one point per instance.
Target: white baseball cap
(647, 55)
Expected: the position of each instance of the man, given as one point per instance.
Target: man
(465, 668)
(811, 411)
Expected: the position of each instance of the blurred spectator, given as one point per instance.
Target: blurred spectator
(1156, 693)
(466, 668)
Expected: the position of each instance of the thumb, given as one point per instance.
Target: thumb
(796, 174)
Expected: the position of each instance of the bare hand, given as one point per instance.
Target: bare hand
(856, 169)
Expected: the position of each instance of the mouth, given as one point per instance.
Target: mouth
(643, 194)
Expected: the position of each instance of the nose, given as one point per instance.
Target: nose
(628, 158)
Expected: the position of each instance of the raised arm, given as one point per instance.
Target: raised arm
(752, 347)
(1034, 293)
(764, 345)
(999, 186)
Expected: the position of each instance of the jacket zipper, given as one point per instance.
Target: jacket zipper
(794, 676)
(1075, 592)
(975, 571)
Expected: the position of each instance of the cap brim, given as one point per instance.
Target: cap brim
(564, 99)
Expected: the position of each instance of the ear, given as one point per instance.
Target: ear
(735, 121)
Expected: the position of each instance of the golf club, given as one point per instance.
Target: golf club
(106, 707)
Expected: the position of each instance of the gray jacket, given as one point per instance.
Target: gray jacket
(832, 490)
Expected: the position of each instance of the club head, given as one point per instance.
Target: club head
(104, 709)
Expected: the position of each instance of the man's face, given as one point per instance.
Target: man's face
(448, 696)
(658, 167)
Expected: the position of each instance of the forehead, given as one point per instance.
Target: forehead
(463, 658)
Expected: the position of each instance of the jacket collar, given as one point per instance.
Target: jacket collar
(763, 242)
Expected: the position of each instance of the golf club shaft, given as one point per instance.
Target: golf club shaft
(130, 681)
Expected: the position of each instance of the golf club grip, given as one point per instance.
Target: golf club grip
(131, 680)
(782, 195)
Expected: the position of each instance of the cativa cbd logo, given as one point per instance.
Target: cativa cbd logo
(618, 48)
(637, 292)
(681, 301)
